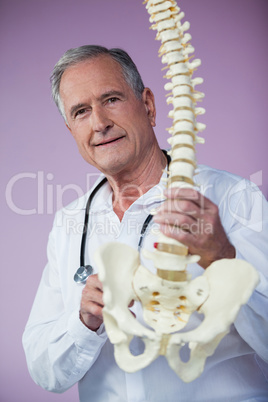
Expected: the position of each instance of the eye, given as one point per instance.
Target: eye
(112, 100)
(80, 112)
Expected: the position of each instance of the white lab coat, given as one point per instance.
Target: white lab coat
(61, 351)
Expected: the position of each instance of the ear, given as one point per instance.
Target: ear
(148, 100)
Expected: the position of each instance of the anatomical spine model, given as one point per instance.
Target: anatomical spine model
(169, 297)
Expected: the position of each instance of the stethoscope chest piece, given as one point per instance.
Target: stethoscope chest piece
(83, 273)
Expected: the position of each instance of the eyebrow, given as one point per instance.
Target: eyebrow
(111, 94)
(105, 95)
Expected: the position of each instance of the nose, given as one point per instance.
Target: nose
(100, 120)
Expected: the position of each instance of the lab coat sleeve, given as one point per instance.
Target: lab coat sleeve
(59, 348)
(248, 232)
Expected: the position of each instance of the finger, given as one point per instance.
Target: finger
(185, 222)
(179, 234)
(185, 207)
(189, 194)
(94, 282)
(91, 310)
(92, 295)
(95, 309)
(92, 319)
(92, 291)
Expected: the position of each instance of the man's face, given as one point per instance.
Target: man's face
(112, 128)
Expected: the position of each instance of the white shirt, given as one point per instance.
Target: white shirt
(61, 351)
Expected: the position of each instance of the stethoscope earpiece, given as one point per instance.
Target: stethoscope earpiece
(83, 273)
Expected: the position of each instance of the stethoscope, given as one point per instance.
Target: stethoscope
(84, 271)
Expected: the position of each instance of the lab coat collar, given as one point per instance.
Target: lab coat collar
(103, 199)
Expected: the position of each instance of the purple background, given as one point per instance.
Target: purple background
(229, 36)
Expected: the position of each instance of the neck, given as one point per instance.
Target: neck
(129, 186)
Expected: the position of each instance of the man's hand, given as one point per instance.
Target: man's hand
(193, 220)
(92, 303)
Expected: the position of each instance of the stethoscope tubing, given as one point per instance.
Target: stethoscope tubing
(85, 228)
(84, 271)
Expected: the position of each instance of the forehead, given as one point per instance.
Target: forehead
(97, 72)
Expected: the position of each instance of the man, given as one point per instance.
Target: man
(111, 116)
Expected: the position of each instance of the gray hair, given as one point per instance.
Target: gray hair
(82, 53)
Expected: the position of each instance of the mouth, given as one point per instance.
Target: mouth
(110, 141)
